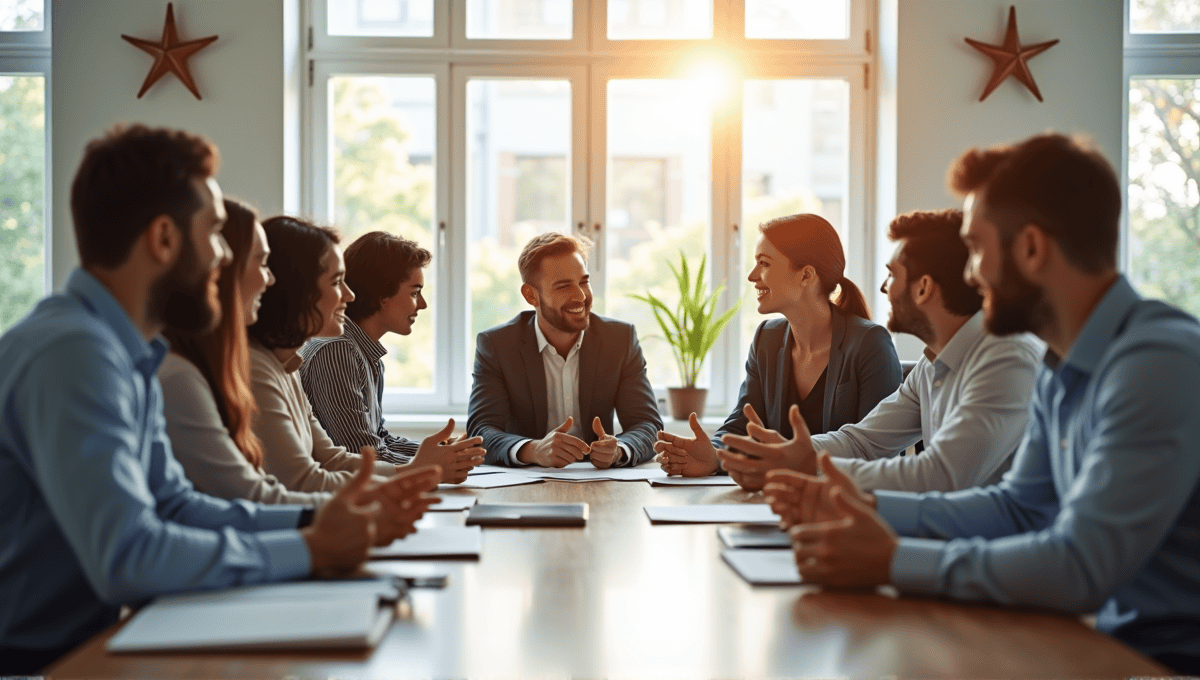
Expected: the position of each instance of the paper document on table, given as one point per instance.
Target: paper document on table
(715, 480)
(433, 542)
(486, 470)
(757, 513)
(304, 615)
(754, 536)
(584, 471)
(492, 481)
(764, 567)
(453, 503)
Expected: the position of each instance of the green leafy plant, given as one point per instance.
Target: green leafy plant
(692, 327)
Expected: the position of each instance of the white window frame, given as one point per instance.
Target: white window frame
(587, 60)
(1150, 55)
(27, 53)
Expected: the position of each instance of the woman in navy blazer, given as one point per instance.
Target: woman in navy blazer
(824, 355)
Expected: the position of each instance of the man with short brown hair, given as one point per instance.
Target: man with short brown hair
(543, 395)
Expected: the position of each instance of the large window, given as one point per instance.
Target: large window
(653, 127)
(24, 71)
(1163, 66)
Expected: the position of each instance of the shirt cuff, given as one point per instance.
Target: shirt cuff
(916, 565)
(900, 509)
(626, 455)
(512, 453)
(286, 554)
(271, 517)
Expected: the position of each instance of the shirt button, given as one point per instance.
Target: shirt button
(1063, 444)
(937, 383)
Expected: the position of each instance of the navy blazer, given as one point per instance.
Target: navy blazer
(863, 369)
(509, 399)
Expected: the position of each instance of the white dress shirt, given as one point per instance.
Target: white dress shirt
(968, 404)
(562, 393)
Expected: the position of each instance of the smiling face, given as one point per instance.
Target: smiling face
(904, 316)
(776, 284)
(256, 276)
(399, 312)
(1011, 303)
(189, 294)
(563, 296)
(335, 294)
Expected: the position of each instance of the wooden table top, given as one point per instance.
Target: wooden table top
(624, 598)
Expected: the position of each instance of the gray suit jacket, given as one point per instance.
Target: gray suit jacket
(863, 369)
(509, 400)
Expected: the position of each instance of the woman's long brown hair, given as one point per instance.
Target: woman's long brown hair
(223, 354)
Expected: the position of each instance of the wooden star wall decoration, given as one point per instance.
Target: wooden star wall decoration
(1009, 58)
(170, 55)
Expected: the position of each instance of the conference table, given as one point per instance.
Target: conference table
(624, 598)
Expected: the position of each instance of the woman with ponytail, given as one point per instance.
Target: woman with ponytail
(824, 356)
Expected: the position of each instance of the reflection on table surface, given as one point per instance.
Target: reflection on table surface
(624, 598)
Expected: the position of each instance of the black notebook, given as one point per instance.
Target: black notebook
(529, 514)
(750, 536)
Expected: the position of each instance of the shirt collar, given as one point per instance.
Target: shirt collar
(373, 349)
(100, 301)
(963, 340)
(1102, 326)
(543, 343)
(290, 366)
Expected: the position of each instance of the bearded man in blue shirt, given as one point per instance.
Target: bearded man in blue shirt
(1100, 511)
(95, 512)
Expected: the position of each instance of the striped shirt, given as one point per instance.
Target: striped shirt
(343, 377)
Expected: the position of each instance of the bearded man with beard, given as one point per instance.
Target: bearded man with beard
(95, 512)
(548, 382)
(1100, 512)
(967, 399)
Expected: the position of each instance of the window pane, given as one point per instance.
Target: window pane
(518, 185)
(396, 18)
(22, 195)
(519, 19)
(1164, 16)
(22, 15)
(798, 19)
(795, 159)
(382, 155)
(659, 203)
(1164, 201)
(660, 19)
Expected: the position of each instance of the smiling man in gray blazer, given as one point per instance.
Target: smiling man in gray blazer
(548, 382)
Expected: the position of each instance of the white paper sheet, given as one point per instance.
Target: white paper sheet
(759, 513)
(486, 470)
(718, 480)
(432, 542)
(492, 481)
(764, 567)
(453, 503)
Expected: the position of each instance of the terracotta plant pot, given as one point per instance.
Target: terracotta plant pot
(686, 400)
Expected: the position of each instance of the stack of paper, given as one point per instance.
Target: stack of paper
(764, 567)
(715, 480)
(302, 615)
(434, 542)
(755, 513)
(754, 536)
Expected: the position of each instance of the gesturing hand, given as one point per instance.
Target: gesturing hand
(455, 457)
(687, 456)
(400, 501)
(765, 450)
(854, 551)
(557, 449)
(604, 451)
(806, 499)
(343, 530)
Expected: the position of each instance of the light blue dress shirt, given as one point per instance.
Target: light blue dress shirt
(1100, 510)
(95, 512)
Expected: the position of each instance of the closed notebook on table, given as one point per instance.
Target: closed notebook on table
(529, 514)
(754, 536)
(301, 615)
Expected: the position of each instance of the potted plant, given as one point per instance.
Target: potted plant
(691, 328)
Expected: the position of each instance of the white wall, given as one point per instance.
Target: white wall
(249, 84)
(931, 81)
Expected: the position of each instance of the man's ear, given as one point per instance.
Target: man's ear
(163, 240)
(1031, 250)
(530, 294)
(923, 289)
